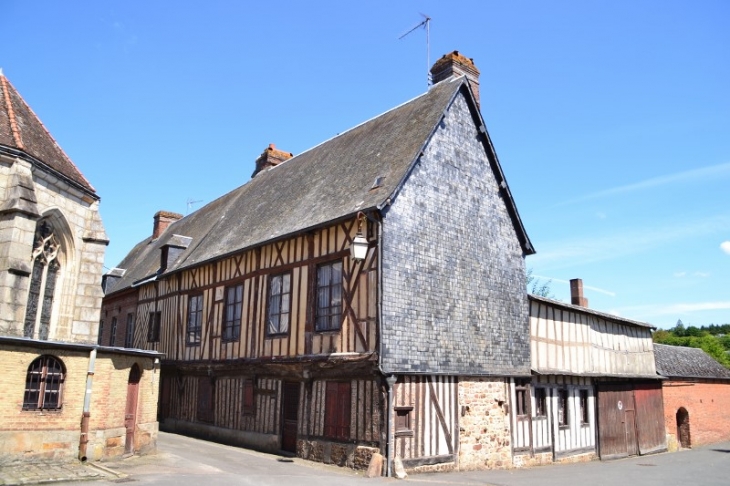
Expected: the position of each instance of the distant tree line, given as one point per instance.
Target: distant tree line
(713, 339)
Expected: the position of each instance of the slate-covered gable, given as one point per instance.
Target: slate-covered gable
(683, 362)
(454, 299)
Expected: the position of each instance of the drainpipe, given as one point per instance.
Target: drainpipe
(84, 440)
(389, 379)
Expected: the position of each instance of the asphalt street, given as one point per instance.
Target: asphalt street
(182, 461)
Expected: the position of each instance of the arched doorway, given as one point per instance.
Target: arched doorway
(683, 428)
(130, 412)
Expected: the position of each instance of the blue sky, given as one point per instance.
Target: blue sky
(611, 119)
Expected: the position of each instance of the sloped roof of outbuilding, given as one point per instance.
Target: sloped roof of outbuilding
(327, 183)
(683, 362)
(23, 133)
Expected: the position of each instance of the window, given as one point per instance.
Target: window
(129, 337)
(563, 408)
(540, 402)
(153, 331)
(195, 319)
(113, 338)
(248, 398)
(337, 410)
(403, 421)
(584, 407)
(101, 332)
(279, 303)
(44, 384)
(329, 297)
(46, 268)
(522, 406)
(232, 317)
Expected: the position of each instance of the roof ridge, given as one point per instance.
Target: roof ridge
(11, 113)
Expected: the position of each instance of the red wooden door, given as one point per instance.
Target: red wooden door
(130, 412)
(650, 417)
(289, 412)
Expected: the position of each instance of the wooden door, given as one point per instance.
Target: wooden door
(130, 412)
(289, 413)
(650, 426)
(616, 421)
(683, 428)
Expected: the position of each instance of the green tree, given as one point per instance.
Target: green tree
(539, 287)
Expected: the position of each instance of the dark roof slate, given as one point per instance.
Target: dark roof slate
(329, 182)
(22, 130)
(683, 362)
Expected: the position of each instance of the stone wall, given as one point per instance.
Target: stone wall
(484, 424)
(454, 299)
(340, 454)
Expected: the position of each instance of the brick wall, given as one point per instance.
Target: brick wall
(119, 307)
(707, 403)
(53, 436)
(484, 430)
(454, 298)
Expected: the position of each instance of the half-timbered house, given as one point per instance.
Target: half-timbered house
(278, 336)
(594, 389)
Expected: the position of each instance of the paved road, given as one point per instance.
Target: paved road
(183, 461)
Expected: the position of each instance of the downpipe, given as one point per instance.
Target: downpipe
(86, 416)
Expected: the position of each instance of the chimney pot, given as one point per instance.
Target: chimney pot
(576, 293)
(162, 220)
(270, 158)
(455, 64)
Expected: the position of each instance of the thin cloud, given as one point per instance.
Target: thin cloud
(627, 241)
(705, 173)
(676, 308)
(725, 246)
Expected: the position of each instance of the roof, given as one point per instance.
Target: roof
(683, 362)
(39, 343)
(327, 183)
(22, 132)
(587, 310)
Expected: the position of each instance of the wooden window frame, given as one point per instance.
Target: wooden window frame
(329, 318)
(233, 313)
(113, 338)
(403, 421)
(194, 328)
(129, 335)
(338, 410)
(153, 327)
(44, 389)
(563, 408)
(248, 399)
(275, 308)
(540, 402)
(522, 398)
(585, 417)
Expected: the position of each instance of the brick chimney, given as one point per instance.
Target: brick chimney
(270, 158)
(162, 220)
(576, 293)
(454, 64)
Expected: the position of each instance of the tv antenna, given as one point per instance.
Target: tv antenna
(190, 203)
(425, 23)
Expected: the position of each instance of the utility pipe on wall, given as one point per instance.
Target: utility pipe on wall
(86, 416)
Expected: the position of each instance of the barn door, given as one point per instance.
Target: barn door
(130, 411)
(289, 423)
(650, 417)
(616, 421)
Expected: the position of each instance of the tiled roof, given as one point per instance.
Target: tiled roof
(22, 130)
(329, 182)
(682, 362)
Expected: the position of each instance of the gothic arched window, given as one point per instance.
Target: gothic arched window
(43, 278)
(44, 384)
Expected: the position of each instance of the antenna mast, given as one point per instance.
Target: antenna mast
(190, 203)
(426, 23)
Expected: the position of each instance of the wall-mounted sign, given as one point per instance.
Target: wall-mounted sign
(620, 405)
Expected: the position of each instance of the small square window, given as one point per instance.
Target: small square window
(403, 421)
(540, 402)
(563, 411)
